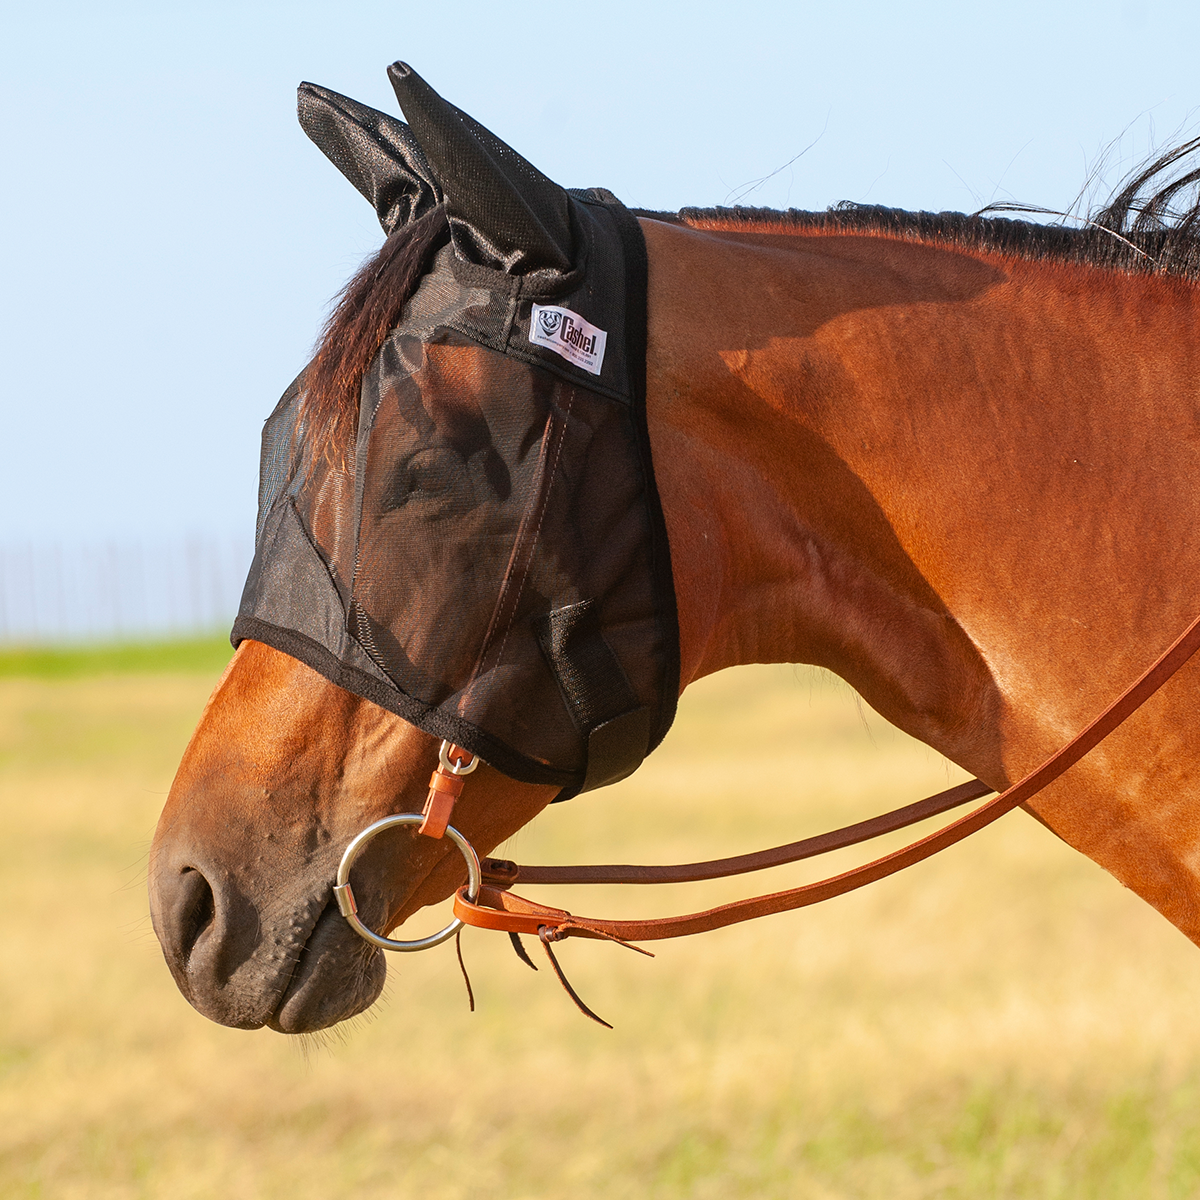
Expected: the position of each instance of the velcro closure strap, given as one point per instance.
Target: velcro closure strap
(596, 691)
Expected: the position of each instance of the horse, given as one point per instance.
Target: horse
(952, 459)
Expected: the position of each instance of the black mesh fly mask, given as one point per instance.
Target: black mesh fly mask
(488, 559)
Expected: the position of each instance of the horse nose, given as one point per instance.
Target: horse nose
(207, 929)
(189, 913)
(246, 955)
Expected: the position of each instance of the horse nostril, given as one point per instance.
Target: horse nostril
(196, 909)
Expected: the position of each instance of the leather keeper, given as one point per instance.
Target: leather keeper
(439, 781)
(439, 804)
(500, 872)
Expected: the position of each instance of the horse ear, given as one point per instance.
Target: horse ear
(377, 153)
(504, 213)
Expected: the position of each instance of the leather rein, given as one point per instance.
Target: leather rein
(487, 903)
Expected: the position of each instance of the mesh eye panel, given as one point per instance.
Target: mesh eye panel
(491, 564)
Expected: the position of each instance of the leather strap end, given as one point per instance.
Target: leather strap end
(444, 789)
(438, 808)
(493, 910)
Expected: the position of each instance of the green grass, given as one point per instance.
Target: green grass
(202, 654)
(1004, 1022)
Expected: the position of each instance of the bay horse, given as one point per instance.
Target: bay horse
(954, 460)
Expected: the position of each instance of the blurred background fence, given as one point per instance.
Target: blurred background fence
(55, 592)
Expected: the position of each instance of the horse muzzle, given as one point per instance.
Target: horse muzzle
(292, 964)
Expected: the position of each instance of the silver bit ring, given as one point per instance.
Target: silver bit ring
(344, 896)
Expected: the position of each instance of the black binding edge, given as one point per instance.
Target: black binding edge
(637, 276)
(431, 720)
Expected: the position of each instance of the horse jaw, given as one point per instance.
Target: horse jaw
(283, 770)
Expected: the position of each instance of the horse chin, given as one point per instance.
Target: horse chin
(337, 976)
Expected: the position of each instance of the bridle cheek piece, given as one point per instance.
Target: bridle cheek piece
(487, 903)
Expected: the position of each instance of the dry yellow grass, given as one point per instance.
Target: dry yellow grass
(1005, 1021)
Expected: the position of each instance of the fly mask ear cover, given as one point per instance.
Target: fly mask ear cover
(491, 562)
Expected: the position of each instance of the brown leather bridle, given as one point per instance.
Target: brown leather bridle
(496, 907)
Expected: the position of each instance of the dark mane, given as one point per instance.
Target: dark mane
(1140, 229)
(367, 310)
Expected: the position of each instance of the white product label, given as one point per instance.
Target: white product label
(567, 333)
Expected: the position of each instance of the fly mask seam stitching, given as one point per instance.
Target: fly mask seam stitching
(562, 437)
(520, 587)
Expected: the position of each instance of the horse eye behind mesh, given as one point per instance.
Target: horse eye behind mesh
(426, 475)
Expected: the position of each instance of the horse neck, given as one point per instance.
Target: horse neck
(864, 449)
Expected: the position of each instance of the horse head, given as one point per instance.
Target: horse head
(459, 536)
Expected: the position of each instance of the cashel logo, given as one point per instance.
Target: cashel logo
(568, 335)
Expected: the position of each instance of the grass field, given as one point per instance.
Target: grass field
(1004, 1021)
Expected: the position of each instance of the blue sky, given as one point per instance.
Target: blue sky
(170, 240)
